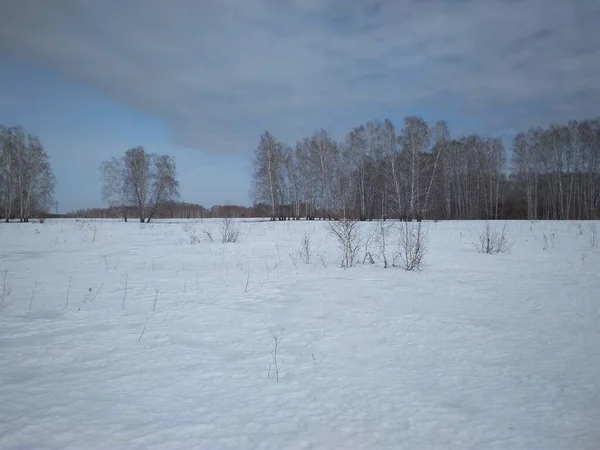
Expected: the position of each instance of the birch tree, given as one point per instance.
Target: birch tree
(415, 139)
(26, 179)
(267, 170)
(145, 181)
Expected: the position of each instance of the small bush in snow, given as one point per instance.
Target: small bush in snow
(305, 252)
(229, 230)
(412, 246)
(347, 233)
(493, 241)
(191, 233)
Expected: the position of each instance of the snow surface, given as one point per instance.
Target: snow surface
(474, 352)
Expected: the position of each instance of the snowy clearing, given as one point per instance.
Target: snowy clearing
(126, 336)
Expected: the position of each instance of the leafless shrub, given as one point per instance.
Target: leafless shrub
(493, 241)
(412, 246)
(191, 233)
(382, 233)
(229, 230)
(209, 237)
(322, 259)
(305, 252)
(347, 233)
(594, 235)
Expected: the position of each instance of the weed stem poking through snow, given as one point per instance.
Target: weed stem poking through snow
(155, 300)
(125, 293)
(143, 329)
(68, 291)
(275, 363)
(33, 293)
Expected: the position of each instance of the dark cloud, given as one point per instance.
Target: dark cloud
(220, 72)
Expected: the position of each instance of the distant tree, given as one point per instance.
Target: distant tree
(7, 170)
(268, 167)
(414, 140)
(112, 173)
(26, 179)
(146, 181)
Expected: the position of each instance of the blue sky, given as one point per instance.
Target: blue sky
(201, 80)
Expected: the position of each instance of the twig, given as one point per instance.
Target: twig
(33, 293)
(68, 291)
(125, 293)
(141, 290)
(274, 361)
(5, 287)
(97, 293)
(270, 269)
(278, 255)
(155, 300)
(143, 329)
(293, 260)
(322, 259)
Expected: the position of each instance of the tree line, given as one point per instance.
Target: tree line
(176, 210)
(26, 179)
(420, 172)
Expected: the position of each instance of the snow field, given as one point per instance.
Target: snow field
(166, 344)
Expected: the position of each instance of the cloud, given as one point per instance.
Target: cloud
(220, 72)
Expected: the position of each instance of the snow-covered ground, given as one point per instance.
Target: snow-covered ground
(127, 336)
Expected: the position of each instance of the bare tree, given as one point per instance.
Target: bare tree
(38, 180)
(348, 235)
(415, 139)
(324, 151)
(137, 179)
(382, 235)
(143, 180)
(267, 172)
(112, 174)
(412, 246)
(26, 178)
(164, 184)
(309, 177)
(7, 171)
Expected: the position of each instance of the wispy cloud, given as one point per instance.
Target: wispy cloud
(221, 71)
